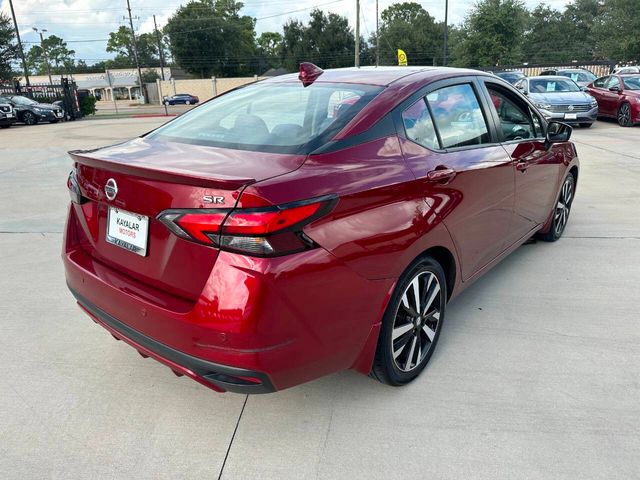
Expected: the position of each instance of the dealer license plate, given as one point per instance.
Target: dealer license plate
(128, 230)
(570, 116)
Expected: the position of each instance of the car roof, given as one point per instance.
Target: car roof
(380, 76)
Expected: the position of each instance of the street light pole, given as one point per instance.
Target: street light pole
(357, 59)
(135, 50)
(444, 50)
(44, 51)
(24, 62)
(377, 36)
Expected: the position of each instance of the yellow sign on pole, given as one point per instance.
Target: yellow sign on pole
(402, 58)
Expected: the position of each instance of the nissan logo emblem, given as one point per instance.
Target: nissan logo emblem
(111, 189)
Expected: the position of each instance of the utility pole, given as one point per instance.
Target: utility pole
(44, 50)
(160, 52)
(24, 62)
(135, 52)
(357, 59)
(444, 50)
(377, 37)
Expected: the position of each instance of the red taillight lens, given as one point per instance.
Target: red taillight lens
(257, 231)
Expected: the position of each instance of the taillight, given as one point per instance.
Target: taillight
(263, 231)
(74, 188)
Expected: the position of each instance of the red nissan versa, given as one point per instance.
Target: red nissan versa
(312, 223)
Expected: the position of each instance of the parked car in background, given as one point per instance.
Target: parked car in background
(579, 75)
(560, 98)
(510, 76)
(618, 97)
(7, 115)
(181, 99)
(31, 112)
(267, 238)
(623, 70)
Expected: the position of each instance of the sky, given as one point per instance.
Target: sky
(77, 21)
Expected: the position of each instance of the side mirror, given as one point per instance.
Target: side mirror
(584, 89)
(557, 133)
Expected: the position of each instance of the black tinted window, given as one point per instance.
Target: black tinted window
(458, 116)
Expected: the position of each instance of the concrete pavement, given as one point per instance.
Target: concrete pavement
(536, 376)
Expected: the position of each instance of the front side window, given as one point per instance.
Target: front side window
(280, 118)
(458, 116)
(515, 121)
(419, 126)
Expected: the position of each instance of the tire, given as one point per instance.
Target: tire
(585, 125)
(187, 102)
(400, 360)
(55, 120)
(5, 126)
(561, 210)
(29, 118)
(624, 115)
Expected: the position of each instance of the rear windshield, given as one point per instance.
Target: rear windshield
(579, 76)
(281, 118)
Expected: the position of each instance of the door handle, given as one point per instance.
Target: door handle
(441, 175)
(522, 166)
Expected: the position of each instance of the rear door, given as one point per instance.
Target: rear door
(467, 177)
(536, 168)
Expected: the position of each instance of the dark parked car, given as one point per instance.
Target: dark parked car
(7, 115)
(181, 99)
(31, 112)
(510, 76)
(267, 238)
(618, 97)
(560, 98)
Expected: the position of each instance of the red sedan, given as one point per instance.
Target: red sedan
(618, 97)
(312, 223)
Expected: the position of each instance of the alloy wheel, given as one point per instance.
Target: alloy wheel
(561, 214)
(624, 115)
(416, 321)
(29, 118)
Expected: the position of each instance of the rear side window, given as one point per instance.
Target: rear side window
(458, 116)
(613, 82)
(281, 118)
(419, 126)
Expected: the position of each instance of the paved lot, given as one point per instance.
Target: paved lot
(537, 374)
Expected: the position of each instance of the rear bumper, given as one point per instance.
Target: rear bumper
(213, 375)
(280, 322)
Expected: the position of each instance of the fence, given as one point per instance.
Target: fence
(66, 92)
(599, 69)
(204, 89)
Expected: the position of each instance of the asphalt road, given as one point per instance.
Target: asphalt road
(537, 374)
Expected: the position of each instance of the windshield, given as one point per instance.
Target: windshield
(18, 100)
(631, 83)
(268, 117)
(579, 76)
(552, 85)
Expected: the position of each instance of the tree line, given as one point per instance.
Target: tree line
(213, 37)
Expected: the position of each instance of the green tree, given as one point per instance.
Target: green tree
(545, 33)
(210, 37)
(492, 34)
(61, 58)
(121, 43)
(616, 31)
(326, 41)
(270, 47)
(8, 49)
(579, 21)
(409, 27)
